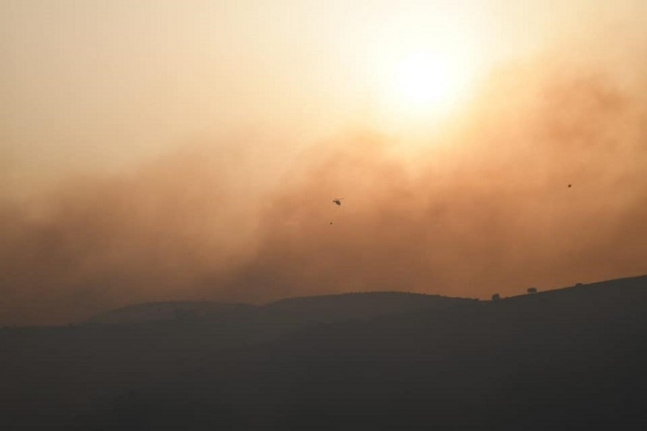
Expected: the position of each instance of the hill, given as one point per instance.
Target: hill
(568, 359)
(158, 311)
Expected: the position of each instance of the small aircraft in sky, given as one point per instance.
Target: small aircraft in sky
(337, 201)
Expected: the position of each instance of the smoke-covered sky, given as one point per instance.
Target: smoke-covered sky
(191, 150)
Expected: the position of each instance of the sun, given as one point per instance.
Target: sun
(427, 84)
(423, 83)
(423, 86)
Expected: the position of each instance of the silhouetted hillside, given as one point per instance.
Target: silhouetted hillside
(329, 308)
(568, 359)
(167, 311)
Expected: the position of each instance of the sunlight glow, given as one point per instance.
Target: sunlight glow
(422, 81)
(418, 87)
(426, 84)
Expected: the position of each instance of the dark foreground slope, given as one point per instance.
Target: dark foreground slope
(570, 359)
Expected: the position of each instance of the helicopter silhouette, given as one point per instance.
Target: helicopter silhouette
(337, 201)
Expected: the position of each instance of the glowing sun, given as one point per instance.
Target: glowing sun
(423, 81)
(425, 84)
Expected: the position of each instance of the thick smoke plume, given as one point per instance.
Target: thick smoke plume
(542, 183)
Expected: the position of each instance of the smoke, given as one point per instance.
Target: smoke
(96, 241)
(485, 208)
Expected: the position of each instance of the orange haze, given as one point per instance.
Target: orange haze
(187, 150)
(485, 208)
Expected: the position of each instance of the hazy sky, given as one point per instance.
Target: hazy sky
(154, 150)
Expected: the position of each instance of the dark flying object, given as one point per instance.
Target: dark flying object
(337, 201)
